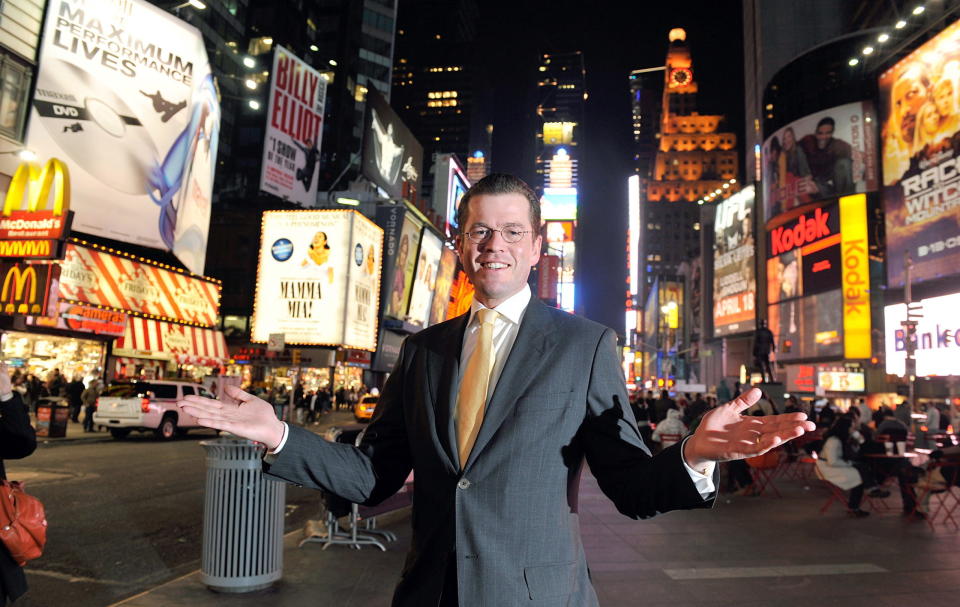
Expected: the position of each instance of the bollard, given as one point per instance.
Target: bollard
(242, 519)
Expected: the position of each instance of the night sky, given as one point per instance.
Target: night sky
(615, 39)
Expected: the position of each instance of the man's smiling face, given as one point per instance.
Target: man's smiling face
(497, 268)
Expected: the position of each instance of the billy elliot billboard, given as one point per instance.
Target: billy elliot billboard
(734, 279)
(291, 144)
(921, 159)
(126, 98)
(392, 156)
(818, 281)
(824, 155)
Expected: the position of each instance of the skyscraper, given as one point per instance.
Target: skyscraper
(561, 93)
(695, 160)
(646, 96)
(434, 79)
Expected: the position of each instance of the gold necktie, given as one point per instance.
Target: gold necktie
(472, 398)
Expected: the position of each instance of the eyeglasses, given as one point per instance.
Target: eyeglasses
(509, 235)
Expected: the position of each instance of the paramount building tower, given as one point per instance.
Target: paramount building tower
(695, 162)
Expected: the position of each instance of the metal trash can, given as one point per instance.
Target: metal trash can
(242, 519)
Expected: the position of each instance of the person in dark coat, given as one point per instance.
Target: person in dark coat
(74, 391)
(694, 410)
(17, 440)
(660, 408)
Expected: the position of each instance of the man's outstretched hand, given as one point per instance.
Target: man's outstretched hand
(724, 434)
(244, 415)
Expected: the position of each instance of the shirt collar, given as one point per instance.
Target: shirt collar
(511, 308)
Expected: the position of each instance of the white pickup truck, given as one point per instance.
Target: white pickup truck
(146, 406)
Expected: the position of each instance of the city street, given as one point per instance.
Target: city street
(124, 516)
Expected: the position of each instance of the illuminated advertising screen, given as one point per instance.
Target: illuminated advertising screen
(294, 128)
(392, 156)
(318, 279)
(124, 95)
(450, 185)
(425, 278)
(808, 327)
(817, 258)
(559, 204)
(401, 233)
(734, 278)
(921, 121)
(938, 337)
(441, 295)
(824, 155)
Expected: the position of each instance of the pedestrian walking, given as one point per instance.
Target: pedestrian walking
(89, 399)
(73, 390)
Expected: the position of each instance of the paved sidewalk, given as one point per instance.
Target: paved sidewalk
(747, 551)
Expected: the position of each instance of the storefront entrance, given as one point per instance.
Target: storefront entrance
(40, 354)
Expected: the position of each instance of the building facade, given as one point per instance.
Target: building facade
(561, 94)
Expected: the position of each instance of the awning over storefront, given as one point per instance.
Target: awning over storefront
(160, 340)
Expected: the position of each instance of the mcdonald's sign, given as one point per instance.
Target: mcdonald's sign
(27, 288)
(36, 233)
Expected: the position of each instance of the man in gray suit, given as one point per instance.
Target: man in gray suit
(497, 475)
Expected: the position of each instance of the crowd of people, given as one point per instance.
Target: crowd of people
(308, 406)
(843, 449)
(79, 393)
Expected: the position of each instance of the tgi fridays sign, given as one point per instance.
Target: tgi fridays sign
(100, 278)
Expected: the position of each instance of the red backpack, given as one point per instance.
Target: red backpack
(23, 524)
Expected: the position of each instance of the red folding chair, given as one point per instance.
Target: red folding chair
(838, 495)
(941, 497)
(764, 468)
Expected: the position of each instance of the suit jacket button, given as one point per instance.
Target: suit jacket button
(463, 484)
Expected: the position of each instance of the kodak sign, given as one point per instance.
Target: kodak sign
(26, 288)
(856, 277)
(804, 230)
(36, 232)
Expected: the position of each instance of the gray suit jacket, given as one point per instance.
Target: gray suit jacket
(508, 519)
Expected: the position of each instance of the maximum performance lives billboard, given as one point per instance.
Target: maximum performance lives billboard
(294, 128)
(921, 159)
(126, 98)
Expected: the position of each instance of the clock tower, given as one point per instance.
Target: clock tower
(694, 159)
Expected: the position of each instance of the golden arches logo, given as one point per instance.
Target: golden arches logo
(20, 279)
(37, 182)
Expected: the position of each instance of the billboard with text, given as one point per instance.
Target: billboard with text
(921, 122)
(318, 278)
(734, 278)
(294, 128)
(125, 96)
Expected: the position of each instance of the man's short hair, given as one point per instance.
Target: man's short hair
(827, 120)
(500, 183)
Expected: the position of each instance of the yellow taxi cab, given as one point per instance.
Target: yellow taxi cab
(363, 410)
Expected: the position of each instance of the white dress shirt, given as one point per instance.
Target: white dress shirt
(505, 329)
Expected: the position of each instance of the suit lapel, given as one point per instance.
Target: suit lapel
(443, 370)
(530, 352)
